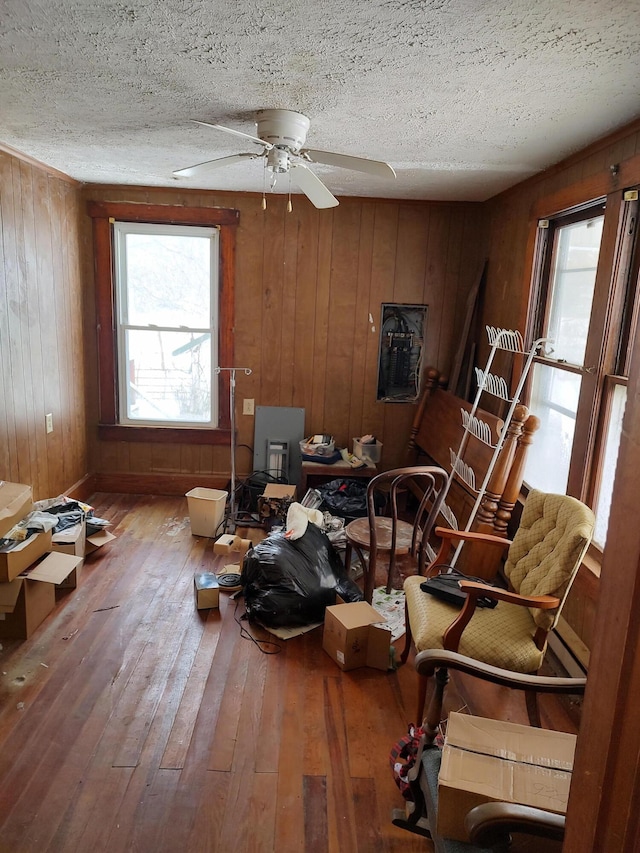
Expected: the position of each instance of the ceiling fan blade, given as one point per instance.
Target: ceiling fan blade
(190, 171)
(346, 161)
(312, 186)
(239, 133)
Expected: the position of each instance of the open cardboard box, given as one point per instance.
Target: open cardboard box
(97, 540)
(493, 761)
(274, 498)
(71, 541)
(353, 636)
(26, 601)
(16, 501)
(13, 562)
(75, 540)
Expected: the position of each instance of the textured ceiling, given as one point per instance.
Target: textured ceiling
(463, 97)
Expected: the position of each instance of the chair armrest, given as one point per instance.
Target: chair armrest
(431, 659)
(491, 823)
(474, 591)
(471, 536)
(481, 590)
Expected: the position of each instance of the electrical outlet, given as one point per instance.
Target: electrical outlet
(248, 407)
(48, 419)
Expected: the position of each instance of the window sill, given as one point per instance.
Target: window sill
(163, 435)
(593, 562)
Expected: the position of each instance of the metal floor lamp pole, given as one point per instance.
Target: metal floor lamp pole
(230, 526)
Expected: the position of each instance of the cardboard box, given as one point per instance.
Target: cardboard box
(353, 636)
(13, 562)
(279, 491)
(490, 760)
(230, 544)
(26, 601)
(16, 501)
(97, 540)
(207, 590)
(275, 500)
(71, 541)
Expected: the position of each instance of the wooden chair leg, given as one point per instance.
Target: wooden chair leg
(369, 568)
(533, 709)
(347, 557)
(407, 635)
(390, 573)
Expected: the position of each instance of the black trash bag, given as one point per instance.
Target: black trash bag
(347, 498)
(288, 583)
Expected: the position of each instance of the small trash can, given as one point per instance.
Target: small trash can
(206, 510)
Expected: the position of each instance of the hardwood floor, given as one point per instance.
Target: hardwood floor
(131, 721)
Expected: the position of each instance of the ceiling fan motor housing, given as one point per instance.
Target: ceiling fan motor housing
(283, 129)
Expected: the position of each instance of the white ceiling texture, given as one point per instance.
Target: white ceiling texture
(464, 98)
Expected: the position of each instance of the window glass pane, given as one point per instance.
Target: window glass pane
(554, 399)
(169, 376)
(168, 280)
(610, 458)
(572, 283)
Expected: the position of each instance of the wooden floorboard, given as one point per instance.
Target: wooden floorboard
(131, 721)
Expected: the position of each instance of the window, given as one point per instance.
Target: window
(164, 283)
(166, 300)
(583, 302)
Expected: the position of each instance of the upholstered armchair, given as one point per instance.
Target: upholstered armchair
(541, 563)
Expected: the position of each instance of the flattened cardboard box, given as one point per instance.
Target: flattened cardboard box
(26, 601)
(491, 761)
(353, 636)
(16, 501)
(13, 562)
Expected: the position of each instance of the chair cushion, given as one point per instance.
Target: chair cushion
(546, 552)
(502, 636)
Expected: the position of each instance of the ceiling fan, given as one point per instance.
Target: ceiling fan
(281, 135)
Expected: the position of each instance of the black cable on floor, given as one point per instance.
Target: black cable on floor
(246, 635)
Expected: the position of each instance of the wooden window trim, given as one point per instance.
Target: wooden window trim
(103, 214)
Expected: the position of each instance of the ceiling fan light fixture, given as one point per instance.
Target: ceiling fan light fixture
(278, 160)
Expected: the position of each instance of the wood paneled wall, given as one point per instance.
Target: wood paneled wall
(41, 329)
(306, 284)
(514, 213)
